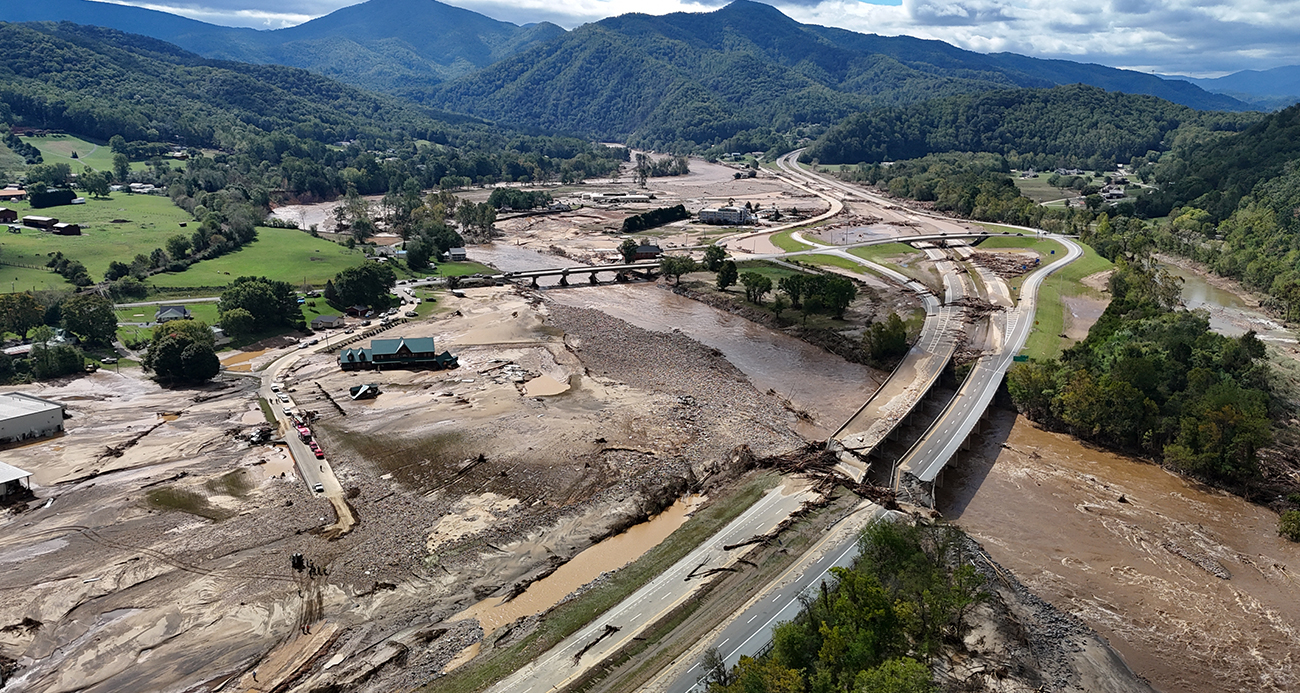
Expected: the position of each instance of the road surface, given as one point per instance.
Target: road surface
(929, 455)
(562, 663)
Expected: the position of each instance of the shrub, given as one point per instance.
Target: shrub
(1288, 525)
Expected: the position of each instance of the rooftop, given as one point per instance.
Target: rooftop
(11, 473)
(19, 404)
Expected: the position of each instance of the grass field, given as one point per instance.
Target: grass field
(901, 257)
(147, 222)
(1044, 339)
(58, 149)
(285, 254)
(1039, 191)
(887, 253)
(785, 242)
(10, 163)
(24, 279)
(1050, 251)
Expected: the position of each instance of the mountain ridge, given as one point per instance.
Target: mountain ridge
(748, 66)
(384, 45)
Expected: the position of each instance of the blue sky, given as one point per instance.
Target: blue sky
(1203, 38)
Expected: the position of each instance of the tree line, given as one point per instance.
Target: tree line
(1155, 380)
(901, 604)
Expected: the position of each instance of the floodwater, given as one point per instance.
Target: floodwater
(610, 554)
(544, 385)
(824, 385)
(1230, 314)
(1191, 585)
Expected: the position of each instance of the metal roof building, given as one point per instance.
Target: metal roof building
(24, 416)
(13, 480)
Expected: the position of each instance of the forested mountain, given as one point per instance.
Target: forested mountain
(273, 124)
(1072, 126)
(388, 45)
(686, 79)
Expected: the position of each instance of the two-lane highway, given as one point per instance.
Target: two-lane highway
(569, 659)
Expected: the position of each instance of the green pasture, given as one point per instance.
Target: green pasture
(59, 149)
(1044, 339)
(117, 228)
(284, 254)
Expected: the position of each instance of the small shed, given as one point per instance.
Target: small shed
(66, 229)
(328, 322)
(357, 311)
(14, 481)
(8, 216)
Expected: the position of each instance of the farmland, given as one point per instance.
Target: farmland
(59, 149)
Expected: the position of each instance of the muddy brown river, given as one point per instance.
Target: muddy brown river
(825, 386)
(1192, 586)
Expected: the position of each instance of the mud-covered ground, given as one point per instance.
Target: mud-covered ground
(167, 567)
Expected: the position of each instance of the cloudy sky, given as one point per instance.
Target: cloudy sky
(1204, 38)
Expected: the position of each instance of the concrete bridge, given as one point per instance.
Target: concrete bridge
(644, 270)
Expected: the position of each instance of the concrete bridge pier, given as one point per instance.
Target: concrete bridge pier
(591, 278)
(564, 278)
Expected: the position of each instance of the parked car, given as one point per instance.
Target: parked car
(412, 314)
(319, 488)
(283, 397)
(350, 330)
(275, 387)
(108, 360)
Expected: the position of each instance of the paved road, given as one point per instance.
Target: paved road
(314, 471)
(927, 458)
(749, 631)
(558, 666)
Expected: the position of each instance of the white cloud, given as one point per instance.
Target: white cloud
(1171, 36)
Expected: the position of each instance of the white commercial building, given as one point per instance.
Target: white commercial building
(24, 416)
(726, 215)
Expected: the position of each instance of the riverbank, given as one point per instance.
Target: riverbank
(1190, 584)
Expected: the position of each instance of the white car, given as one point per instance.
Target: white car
(275, 387)
(283, 397)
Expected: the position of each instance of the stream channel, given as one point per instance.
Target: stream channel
(1193, 586)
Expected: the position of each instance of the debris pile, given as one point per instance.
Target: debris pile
(1005, 265)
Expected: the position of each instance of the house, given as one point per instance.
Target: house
(647, 251)
(1113, 192)
(14, 482)
(24, 416)
(37, 222)
(12, 194)
(219, 337)
(141, 188)
(726, 215)
(413, 353)
(328, 322)
(8, 216)
(65, 229)
(456, 254)
(357, 311)
(169, 313)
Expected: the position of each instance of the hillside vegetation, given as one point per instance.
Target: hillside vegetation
(1075, 125)
(743, 75)
(388, 45)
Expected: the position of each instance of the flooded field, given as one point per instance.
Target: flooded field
(825, 386)
(611, 554)
(1193, 586)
